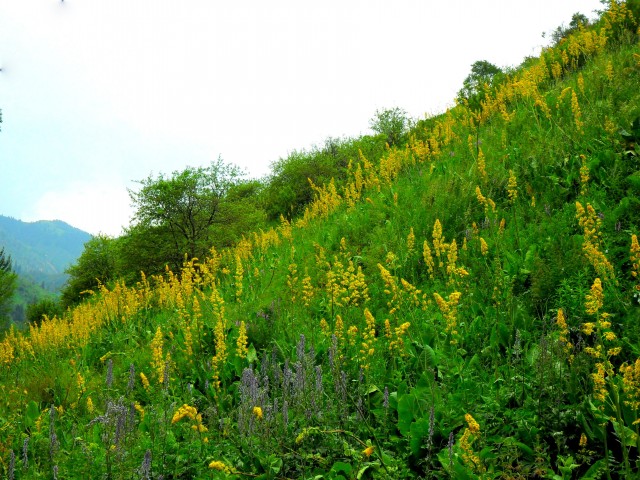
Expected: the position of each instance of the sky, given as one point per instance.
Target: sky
(97, 95)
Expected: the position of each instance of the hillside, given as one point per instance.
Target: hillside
(465, 306)
(45, 247)
(40, 252)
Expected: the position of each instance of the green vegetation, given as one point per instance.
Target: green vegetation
(462, 304)
(7, 286)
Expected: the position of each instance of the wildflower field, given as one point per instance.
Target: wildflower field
(466, 305)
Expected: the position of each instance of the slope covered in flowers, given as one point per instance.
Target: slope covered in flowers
(465, 307)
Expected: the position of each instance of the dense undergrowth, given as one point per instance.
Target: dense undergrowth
(465, 307)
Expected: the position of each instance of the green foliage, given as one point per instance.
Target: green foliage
(288, 189)
(7, 286)
(96, 266)
(391, 123)
(478, 82)
(187, 214)
(47, 306)
(578, 20)
(185, 206)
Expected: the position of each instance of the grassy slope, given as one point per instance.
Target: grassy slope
(461, 370)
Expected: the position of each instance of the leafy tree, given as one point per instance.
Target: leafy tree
(96, 265)
(578, 20)
(46, 306)
(186, 214)
(8, 282)
(185, 207)
(392, 123)
(483, 74)
(288, 191)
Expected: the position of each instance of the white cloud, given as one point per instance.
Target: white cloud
(93, 207)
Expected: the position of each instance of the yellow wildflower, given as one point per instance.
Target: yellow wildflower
(220, 466)
(512, 187)
(595, 298)
(241, 343)
(144, 380)
(257, 411)
(583, 440)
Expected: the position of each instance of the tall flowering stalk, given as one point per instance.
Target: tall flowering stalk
(157, 356)
(450, 312)
(219, 333)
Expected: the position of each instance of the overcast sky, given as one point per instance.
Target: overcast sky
(97, 94)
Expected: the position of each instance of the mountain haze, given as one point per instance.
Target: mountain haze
(43, 249)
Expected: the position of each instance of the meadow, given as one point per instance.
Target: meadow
(466, 305)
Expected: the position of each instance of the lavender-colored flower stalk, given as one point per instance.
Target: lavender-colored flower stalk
(109, 379)
(300, 348)
(333, 349)
(285, 413)
(318, 379)
(145, 468)
(385, 398)
(25, 450)
(53, 438)
(432, 421)
(132, 378)
(12, 465)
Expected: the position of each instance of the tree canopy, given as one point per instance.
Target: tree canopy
(185, 207)
(483, 74)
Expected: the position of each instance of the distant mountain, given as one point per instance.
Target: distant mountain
(41, 251)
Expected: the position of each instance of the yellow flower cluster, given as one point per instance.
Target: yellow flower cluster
(145, 381)
(592, 246)
(415, 297)
(308, 291)
(157, 356)
(595, 298)
(450, 313)
(391, 288)
(482, 166)
(512, 187)
(219, 333)
(469, 457)
(369, 340)
(241, 343)
(599, 382)
(635, 260)
(428, 258)
(221, 467)
(584, 176)
(184, 411)
(239, 275)
(486, 202)
(411, 241)
(577, 113)
(257, 411)
(484, 248)
(563, 331)
(139, 409)
(396, 343)
(191, 413)
(631, 385)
